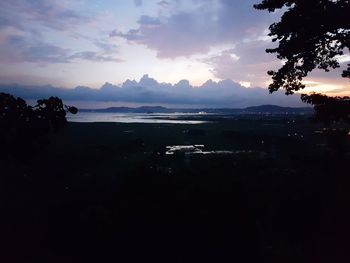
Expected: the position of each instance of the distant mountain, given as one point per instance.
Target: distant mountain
(277, 109)
(263, 109)
(142, 109)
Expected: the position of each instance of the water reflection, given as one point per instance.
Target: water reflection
(199, 149)
(132, 118)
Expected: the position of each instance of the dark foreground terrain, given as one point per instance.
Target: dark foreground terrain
(249, 191)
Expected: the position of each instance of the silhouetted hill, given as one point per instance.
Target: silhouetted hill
(277, 109)
(142, 109)
(263, 109)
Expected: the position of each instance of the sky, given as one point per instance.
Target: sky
(88, 43)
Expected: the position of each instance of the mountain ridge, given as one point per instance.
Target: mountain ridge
(160, 109)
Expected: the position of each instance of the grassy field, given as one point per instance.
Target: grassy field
(103, 191)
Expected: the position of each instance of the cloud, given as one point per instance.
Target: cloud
(132, 35)
(246, 62)
(45, 53)
(228, 36)
(197, 28)
(106, 46)
(27, 26)
(340, 90)
(17, 48)
(225, 93)
(51, 14)
(23, 48)
(163, 3)
(138, 3)
(94, 56)
(149, 21)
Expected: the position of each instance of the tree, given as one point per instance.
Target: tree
(311, 34)
(329, 109)
(23, 126)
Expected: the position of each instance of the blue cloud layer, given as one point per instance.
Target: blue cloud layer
(225, 93)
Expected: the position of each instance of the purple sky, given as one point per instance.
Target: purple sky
(89, 42)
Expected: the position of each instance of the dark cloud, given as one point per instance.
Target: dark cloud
(225, 93)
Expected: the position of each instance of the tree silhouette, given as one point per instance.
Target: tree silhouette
(329, 109)
(311, 34)
(22, 125)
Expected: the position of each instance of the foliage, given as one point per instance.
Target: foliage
(22, 125)
(311, 34)
(328, 109)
